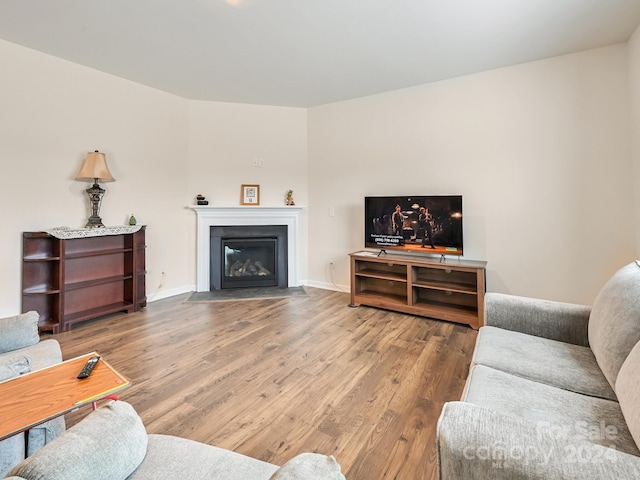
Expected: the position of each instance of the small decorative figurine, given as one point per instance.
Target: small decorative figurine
(289, 199)
(132, 220)
(201, 201)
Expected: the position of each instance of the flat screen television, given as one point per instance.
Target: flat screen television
(417, 224)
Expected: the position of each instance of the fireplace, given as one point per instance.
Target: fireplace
(290, 216)
(248, 256)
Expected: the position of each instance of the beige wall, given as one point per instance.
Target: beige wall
(53, 113)
(539, 151)
(634, 84)
(224, 141)
(162, 150)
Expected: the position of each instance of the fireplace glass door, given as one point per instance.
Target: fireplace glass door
(249, 262)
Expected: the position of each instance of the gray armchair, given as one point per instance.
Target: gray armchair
(21, 351)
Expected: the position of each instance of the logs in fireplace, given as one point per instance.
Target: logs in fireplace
(248, 268)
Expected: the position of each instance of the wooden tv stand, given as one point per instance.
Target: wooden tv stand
(450, 290)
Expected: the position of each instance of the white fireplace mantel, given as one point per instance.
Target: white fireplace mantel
(209, 216)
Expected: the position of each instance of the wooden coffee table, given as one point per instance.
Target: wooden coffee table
(39, 396)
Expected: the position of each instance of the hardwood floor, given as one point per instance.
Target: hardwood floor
(275, 378)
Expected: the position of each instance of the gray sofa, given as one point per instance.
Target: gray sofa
(111, 443)
(553, 390)
(21, 351)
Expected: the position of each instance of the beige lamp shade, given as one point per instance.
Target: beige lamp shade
(95, 167)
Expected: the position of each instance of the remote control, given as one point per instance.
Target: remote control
(88, 368)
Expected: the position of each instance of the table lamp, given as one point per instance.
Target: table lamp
(95, 169)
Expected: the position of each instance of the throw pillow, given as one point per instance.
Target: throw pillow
(309, 466)
(19, 331)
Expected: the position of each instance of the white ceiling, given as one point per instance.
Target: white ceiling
(308, 52)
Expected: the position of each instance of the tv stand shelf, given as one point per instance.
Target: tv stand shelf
(450, 290)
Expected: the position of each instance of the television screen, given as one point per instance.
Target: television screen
(419, 224)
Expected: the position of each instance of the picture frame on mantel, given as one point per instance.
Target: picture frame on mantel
(249, 194)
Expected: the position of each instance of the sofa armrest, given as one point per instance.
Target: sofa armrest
(12, 365)
(309, 466)
(45, 353)
(108, 444)
(475, 442)
(565, 322)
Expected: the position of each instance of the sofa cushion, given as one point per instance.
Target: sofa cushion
(628, 388)
(475, 442)
(175, 457)
(14, 365)
(106, 445)
(309, 466)
(614, 324)
(554, 363)
(19, 331)
(566, 414)
(12, 452)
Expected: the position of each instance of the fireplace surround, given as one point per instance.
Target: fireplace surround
(208, 216)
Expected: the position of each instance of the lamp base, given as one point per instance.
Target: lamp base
(94, 222)
(95, 197)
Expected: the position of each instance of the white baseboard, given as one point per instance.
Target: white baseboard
(170, 293)
(329, 286)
